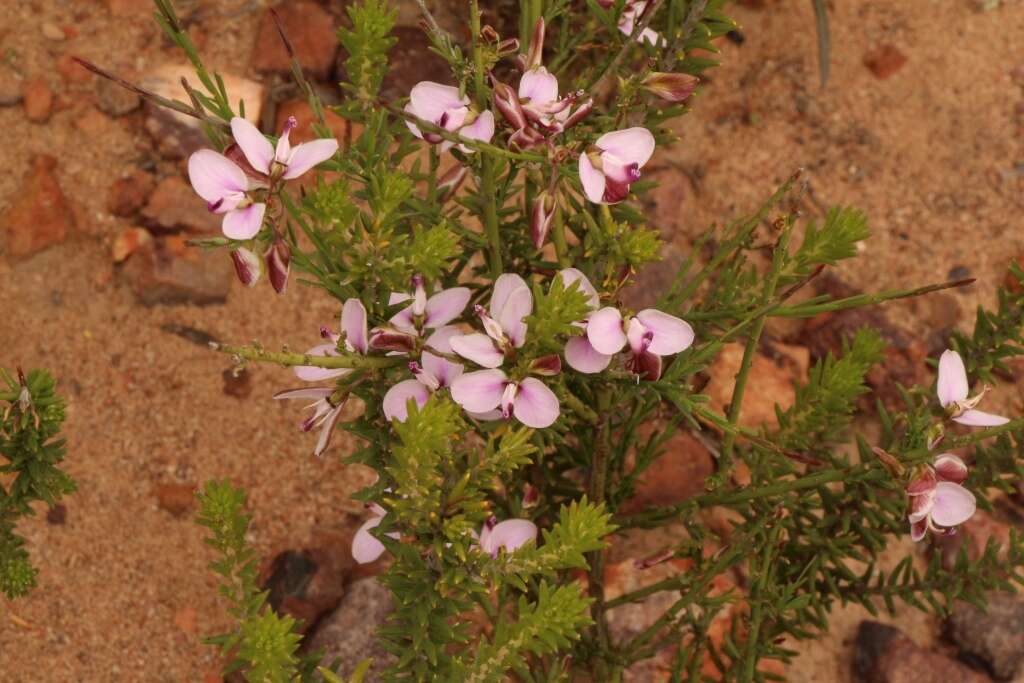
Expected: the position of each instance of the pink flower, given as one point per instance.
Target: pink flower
(353, 325)
(952, 390)
(528, 400)
(650, 334)
(366, 548)
(511, 301)
(445, 107)
(325, 414)
(511, 535)
(226, 188)
(430, 313)
(283, 161)
(607, 173)
(627, 23)
(938, 503)
(434, 374)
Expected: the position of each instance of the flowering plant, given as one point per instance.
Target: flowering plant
(480, 241)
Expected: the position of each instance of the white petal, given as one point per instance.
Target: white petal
(671, 334)
(593, 180)
(480, 391)
(256, 148)
(978, 418)
(478, 348)
(604, 330)
(630, 146)
(953, 504)
(952, 384)
(583, 357)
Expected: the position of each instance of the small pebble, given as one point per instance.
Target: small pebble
(53, 32)
(57, 515)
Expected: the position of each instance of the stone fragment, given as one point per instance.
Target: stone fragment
(348, 634)
(311, 32)
(237, 383)
(177, 499)
(994, 636)
(174, 205)
(128, 242)
(178, 135)
(883, 654)
(884, 60)
(37, 99)
(159, 273)
(52, 32)
(675, 476)
(112, 99)
(770, 383)
(309, 581)
(40, 215)
(128, 195)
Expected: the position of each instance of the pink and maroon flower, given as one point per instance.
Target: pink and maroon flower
(445, 107)
(227, 190)
(952, 389)
(938, 503)
(284, 161)
(353, 326)
(432, 374)
(607, 172)
(326, 412)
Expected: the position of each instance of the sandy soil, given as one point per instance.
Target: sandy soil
(930, 153)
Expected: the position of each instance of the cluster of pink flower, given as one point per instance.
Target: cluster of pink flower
(239, 183)
(936, 499)
(424, 327)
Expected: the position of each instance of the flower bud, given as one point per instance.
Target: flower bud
(389, 339)
(531, 496)
(541, 216)
(581, 113)
(547, 366)
(506, 101)
(279, 265)
(671, 87)
(535, 57)
(525, 138)
(450, 182)
(247, 266)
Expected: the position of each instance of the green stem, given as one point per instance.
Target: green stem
(289, 359)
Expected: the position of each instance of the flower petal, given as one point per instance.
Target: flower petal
(583, 357)
(315, 393)
(440, 339)
(953, 504)
(429, 100)
(395, 404)
(442, 369)
(446, 306)
(630, 146)
(307, 155)
(412, 126)
(918, 530)
(571, 275)
(952, 384)
(309, 373)
(535, 405)
(243, 224)
(214, 175)
(366, 548)
(517, 307)
(403, 320)
(950, 468)
(671, 335)
(978, 418)
(504, 286)
(539, 86)
(480, 391)
(478, 348)
(481, 129)
(353, 322)
(256, 148)
(593, 180)
(510, 535)
(604, 330)
(327, 430)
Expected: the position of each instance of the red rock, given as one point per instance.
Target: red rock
(158, 276)
(128, 195)
(174, 205)
(177, 499)
(237, 382)
(994, 636)
(770, 383)
(310, 30)
(40, 215)
(883, 654)
(308, 582)
(675, 476)
(303, 114)
(178, 135)
(71, 71)
(128, 242)
(38, 100)
(884, 60)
